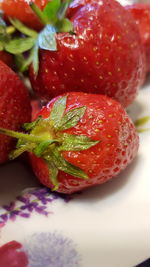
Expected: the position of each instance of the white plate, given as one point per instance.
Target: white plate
(107, 226)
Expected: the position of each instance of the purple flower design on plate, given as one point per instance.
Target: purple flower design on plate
(36, 200)
(51, 250)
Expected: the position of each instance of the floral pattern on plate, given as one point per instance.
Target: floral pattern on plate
(41, 250)
(36, 200)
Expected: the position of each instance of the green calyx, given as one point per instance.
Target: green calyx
(53, 17)
(5, 33)
(54, 14)
(46, 139)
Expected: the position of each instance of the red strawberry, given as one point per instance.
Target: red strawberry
(14, 107)
(104, 56)
(21, 10)
(79, 140)
(141, 14)
(7, 59)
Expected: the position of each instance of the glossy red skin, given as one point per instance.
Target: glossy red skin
(105, 120)
(141, 14)
(21, 10)
(105, 56)
(7, 59)
(12, 256)
(14, 107)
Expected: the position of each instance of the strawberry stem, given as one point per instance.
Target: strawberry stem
(39, 13)
(26, 137)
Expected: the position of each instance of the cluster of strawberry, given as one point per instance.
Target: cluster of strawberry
(89, 59)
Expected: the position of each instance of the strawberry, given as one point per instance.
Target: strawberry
(103, 54)
(96, 51)
(141, 14)
(78, 140)
(21, 10)
(14, 107)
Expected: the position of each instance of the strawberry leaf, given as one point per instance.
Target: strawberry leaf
(22, 28)
(53, 171)
(51, 10)
(31, 125)
(47, 38)
(76, 143)
(65, 166)
(19, 45)
(64, 25)
(21, 149)
(58, 111)
(63, 8)
(39, 13)
(40, 149)
(19, 62)
(4, 35)
(35, 58)
(22, 63)
(71, 118)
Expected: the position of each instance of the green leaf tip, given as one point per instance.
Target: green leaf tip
(63, 121)
(71, 118)
(58, 110)
(39, 13)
